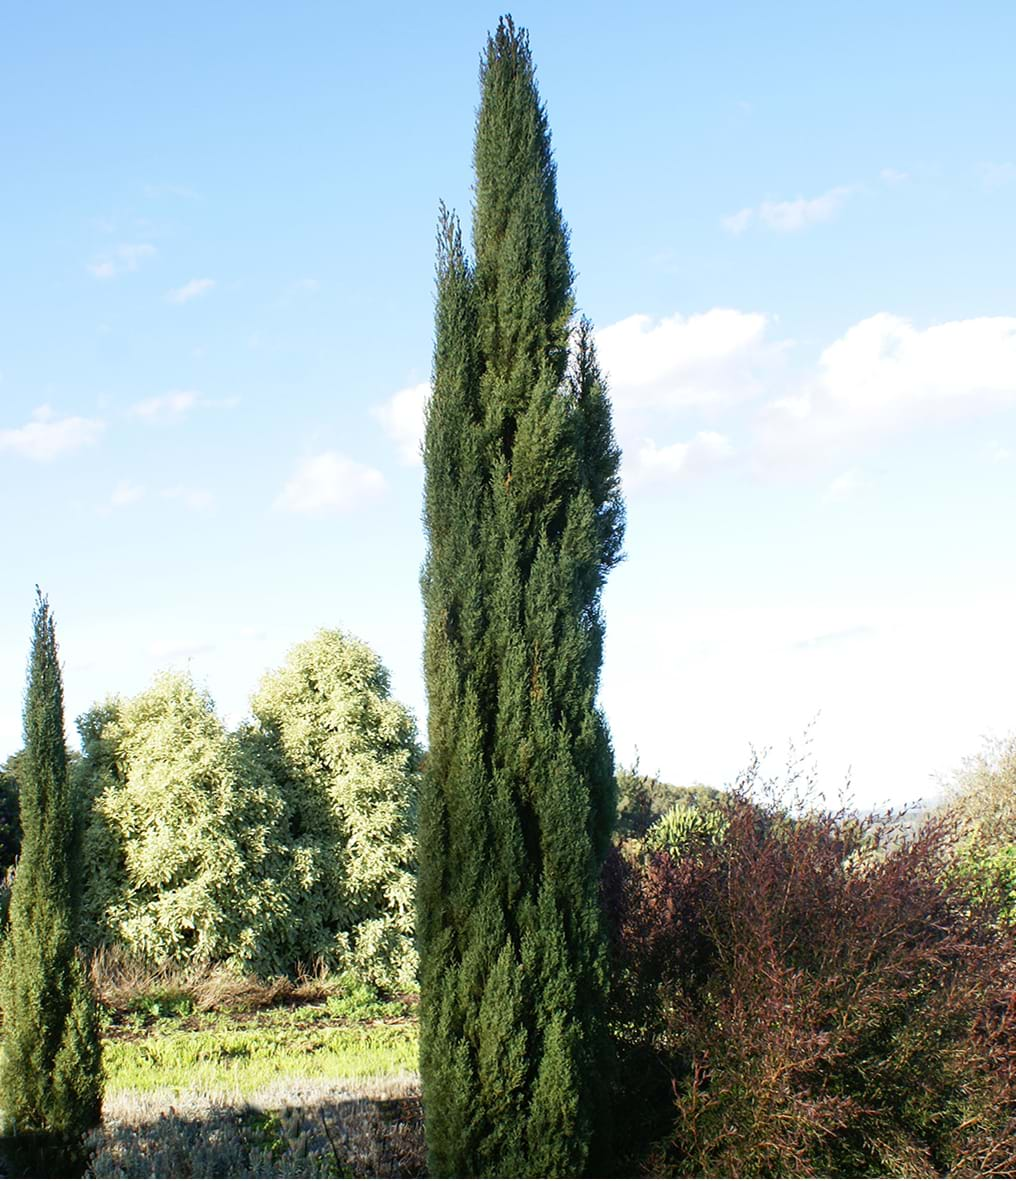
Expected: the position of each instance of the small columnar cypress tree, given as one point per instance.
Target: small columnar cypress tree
(50, 1064)
(524, 519)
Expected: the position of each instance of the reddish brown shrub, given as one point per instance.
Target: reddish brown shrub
(810, 997)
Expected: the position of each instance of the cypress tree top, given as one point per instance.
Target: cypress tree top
(45, 802)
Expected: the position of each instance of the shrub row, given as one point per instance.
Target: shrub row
(284, 843)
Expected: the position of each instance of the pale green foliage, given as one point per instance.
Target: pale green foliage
(347, 757)
(186, 850)
(288, 841)
(984, 802)
(686, 826)
(989, 876)
(985, 794)
(643, 800)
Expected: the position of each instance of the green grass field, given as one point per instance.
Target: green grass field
(240, 1053)
(291, 1090)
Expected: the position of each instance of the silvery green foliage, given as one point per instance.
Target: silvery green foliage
(984, 795)
(187, 845)
(347, 758)
(289, 840)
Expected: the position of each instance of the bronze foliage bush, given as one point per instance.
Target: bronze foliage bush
(805, 993)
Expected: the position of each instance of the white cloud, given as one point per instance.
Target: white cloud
(126, 257)
(997, 176)
(759, 674)
(684, 361)
(195, 499)
(738, 222)
(46, 437)
(847, 485)
(893, 176)
(190, 290)
(174, 404)
(884, 374)
(298, 289)
(402, 418)
(788, 216)
(132, 255)
(126, 493)
(330, 482)
(707, 450)
(881, 376)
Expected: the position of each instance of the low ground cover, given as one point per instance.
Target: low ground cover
(368, 1127)
(216, 1075)
(239, 1061)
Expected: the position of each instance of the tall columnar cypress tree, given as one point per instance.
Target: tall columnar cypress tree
(50, 1070)
(524, 519)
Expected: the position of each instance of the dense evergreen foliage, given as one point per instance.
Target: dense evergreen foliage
(50, 1068)
(10, 819)
(524, 519)
(288, 841)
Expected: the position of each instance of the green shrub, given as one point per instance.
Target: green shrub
(643, 800)
(983, 803)
(989, 875)
(682, 828)
(187, 845)
(163, 1003)
(345, 756)
(288, 842)
(357, 1000)
(984, 794)
(10, 820)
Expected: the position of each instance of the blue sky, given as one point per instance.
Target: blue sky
(793, 229)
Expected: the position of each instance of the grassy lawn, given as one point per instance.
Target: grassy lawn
(160, 1043)
(214, 1075)
(309, 1090)
(242, 1058)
